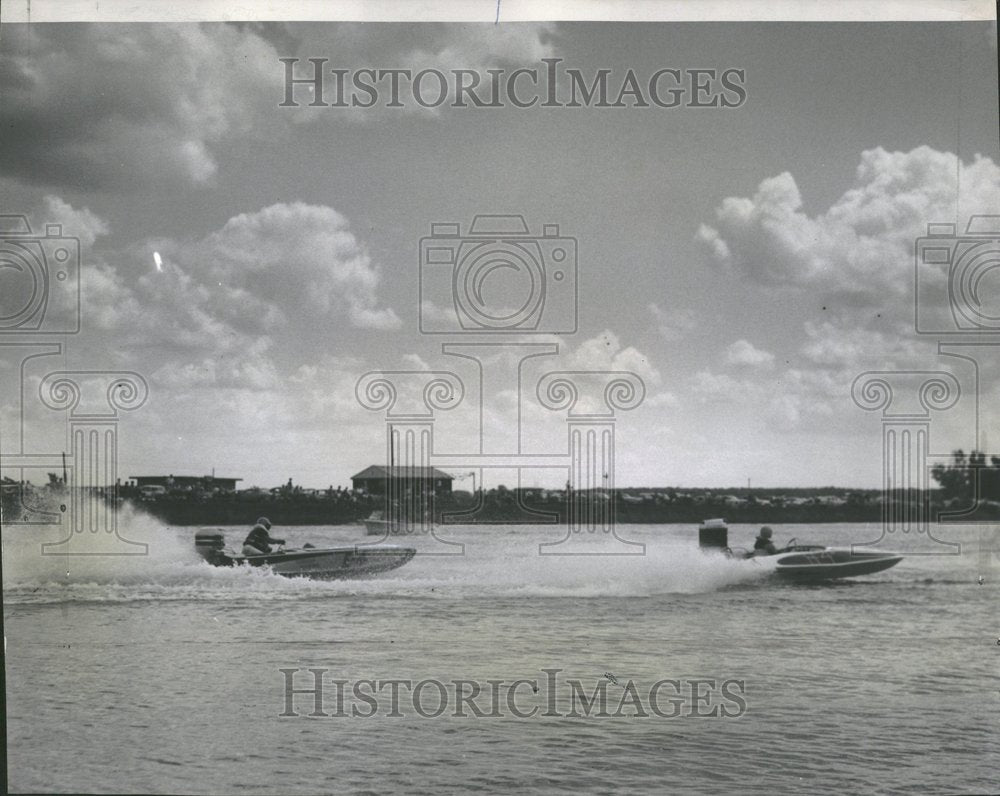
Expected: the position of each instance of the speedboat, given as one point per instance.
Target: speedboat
(811, 562)
(376, 524)
(317, 563)
(802, 562)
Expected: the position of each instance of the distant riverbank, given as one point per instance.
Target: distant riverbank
(180, 512)
(44, 506)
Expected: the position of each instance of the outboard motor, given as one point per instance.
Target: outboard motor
(210, 545)
(713, 535)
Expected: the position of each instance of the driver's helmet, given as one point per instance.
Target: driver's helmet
(765, 532)
(265, 522)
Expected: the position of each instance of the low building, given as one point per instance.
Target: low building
(187, 483)
(374, 479)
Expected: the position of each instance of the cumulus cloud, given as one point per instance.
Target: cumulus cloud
(855, 260)
(861, 248)
(605, 352)
(662, 400)
(673, 323)
(100, 105)
(295, 256)
(47, 236)
(415, 362)
(833, 346)
(438, 317)
(778, 403)
(445, 48)
(742, 352)
(710, 387)
(207, 311)
(288, 265)
(786, 409)
(250, 368)
(480, 47)
(79, 223)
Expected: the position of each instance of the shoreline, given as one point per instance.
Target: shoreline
(511, 508)
(289, 513)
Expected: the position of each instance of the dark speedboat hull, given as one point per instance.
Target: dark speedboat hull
(332, 563)
(327, 563)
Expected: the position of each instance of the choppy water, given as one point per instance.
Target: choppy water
(161, 674)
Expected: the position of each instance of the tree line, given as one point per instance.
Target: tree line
(968, 477)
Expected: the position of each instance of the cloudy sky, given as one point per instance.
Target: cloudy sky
(252, 261)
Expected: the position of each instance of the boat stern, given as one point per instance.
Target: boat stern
(210, 545)
(713, 536)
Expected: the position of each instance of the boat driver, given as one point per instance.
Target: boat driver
(762, 545)
(259, 541)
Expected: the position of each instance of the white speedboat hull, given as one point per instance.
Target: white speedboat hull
(801, 563)
(817, 563)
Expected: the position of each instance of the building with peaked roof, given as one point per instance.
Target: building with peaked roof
(374, 479)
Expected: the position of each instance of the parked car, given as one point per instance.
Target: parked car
(152, 491)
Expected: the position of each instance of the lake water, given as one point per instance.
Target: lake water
(159, 673)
